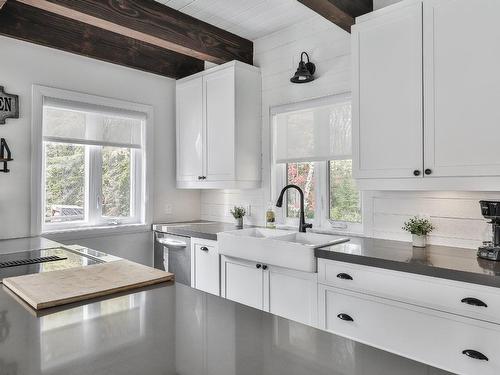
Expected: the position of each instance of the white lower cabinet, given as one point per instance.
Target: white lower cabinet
(293, 294)
(454, 343)
(243, 281)
(205, 266)
(471, 300)
(281, 291)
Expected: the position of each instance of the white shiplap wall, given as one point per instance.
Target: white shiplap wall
(456, 214)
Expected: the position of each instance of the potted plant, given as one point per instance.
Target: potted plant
(238, 213)
(419, 228)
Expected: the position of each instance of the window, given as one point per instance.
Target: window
(92, 159)
(344, 202)
(312, 149)
(302, 175)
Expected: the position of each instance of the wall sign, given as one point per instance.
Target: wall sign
(9, 106)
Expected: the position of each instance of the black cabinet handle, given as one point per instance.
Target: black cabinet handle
(344, 276)
(428, 171)
(475, 354)
(258, 265)
(204, 177)
(416, 172)
(204, 248)
(345, 317)
(474, 302)
(200, 177)
(264, 267)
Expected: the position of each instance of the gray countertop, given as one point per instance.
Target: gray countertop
(199, 229)
(173, 329)
(437, 261)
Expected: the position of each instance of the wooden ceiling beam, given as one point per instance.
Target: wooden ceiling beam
(340, 12)
(31, 24)
(156, 24)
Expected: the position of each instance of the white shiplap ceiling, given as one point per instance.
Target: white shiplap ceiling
(250, 19)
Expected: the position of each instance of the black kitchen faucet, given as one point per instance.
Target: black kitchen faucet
(302, 221)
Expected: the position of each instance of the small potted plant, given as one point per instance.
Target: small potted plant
(419, 228)
(238, 214)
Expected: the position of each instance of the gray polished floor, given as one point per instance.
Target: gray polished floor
(173, 329)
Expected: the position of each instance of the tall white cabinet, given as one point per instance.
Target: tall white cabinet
(387, 95)
(219, 128)
(425, 96)
(462, 87)
(190, 134)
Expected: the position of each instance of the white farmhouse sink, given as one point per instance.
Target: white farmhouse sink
(258, 233)
(281, 248)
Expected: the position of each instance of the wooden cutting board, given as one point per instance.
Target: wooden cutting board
(49, 289)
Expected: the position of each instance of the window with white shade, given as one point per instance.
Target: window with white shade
(93, 161)
(313, 149)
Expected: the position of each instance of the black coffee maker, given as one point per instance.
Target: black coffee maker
(491, 249)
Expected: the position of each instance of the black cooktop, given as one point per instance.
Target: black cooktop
(43, 260)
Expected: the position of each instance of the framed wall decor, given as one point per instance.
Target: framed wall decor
(9, 106)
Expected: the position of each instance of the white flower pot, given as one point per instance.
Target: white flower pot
(419, 241)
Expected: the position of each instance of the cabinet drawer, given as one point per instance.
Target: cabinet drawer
(438, 339)
(474, 301)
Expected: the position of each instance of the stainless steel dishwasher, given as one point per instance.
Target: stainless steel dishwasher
(172, 253)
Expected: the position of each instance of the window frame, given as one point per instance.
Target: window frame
(322, 221)
(141, 162)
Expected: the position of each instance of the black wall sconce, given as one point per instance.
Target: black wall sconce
(5, 155)
(305, 71)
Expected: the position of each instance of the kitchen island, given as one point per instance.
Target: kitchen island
(174, 329)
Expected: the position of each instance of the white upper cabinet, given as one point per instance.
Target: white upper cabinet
(220, 125)
(219, 128)
(426, 90)
(387, 95)
(190, 155)
(462, 87)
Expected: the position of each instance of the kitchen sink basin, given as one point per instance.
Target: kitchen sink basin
(260, 233)
(281, 248)
(314, 240)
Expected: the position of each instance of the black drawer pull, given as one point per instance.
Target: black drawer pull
(475, 354)
(345, 317)
(344, 276)
(416, 172)
(264, 267)
(204, 248)
(474, 302)
(258, 265)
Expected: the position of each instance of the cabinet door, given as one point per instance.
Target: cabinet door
(387, 94)
(220, 125)
(205, 263)
(293, 295)
(462, 87)
(189, 119)
(243, 282)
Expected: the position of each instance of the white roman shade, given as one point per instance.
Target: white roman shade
(317, 133)
(84, 123)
